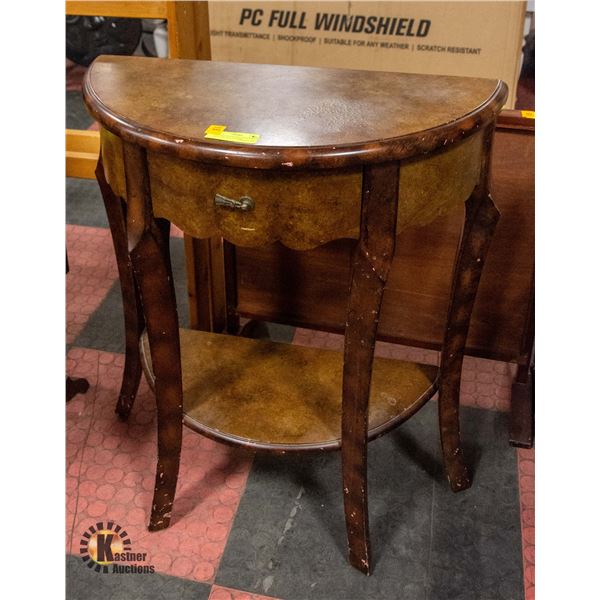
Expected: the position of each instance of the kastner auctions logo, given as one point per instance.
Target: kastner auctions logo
(109, 549)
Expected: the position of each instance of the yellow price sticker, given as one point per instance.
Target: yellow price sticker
(215, 129)
(217, 132)
(528, 114)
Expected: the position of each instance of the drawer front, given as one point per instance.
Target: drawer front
(301, 209)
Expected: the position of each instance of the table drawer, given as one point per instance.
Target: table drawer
(301, 209)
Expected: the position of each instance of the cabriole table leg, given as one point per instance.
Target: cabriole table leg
(481, 217)
(116, 212)
(372, 261)
(152, 269)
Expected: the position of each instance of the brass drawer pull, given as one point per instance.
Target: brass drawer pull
(245, 203)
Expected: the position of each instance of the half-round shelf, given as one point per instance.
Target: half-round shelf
(281, 397)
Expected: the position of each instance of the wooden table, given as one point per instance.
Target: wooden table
(339, 154)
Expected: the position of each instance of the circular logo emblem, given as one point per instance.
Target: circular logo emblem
(99, 545)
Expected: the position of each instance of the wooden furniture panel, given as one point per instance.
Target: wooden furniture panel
(147, 10)
(82, 153)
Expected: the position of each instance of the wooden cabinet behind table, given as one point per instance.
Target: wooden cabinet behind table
(310, 288)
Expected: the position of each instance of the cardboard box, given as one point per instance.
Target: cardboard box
(476, 39)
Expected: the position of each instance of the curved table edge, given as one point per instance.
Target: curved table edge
(288, 157)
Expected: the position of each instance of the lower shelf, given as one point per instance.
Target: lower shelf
(280, 397)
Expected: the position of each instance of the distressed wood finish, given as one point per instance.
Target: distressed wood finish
(324, 118)
(342, 154)
(116, 212)
(373, 257)
(481, 216)
(152, 269)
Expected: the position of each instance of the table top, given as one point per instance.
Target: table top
(306, 117)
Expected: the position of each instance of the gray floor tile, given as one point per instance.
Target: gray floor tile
(288, 539)
(105, 329)
(77, 116)
(84, 204)
(86, 584)
(476, 549)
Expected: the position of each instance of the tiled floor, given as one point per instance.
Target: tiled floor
(288, 535)
(249, 527)
(527, 497)
(110, 475)
(92, 271)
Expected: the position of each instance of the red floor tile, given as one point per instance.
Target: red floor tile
(110, 475)
(176, 232)
(485, 383)
(222, 593)
(92, 271)
(527, 497)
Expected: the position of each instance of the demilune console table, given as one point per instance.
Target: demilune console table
(302, 156)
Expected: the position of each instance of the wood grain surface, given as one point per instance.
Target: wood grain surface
(266, 395)
(306, 117)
